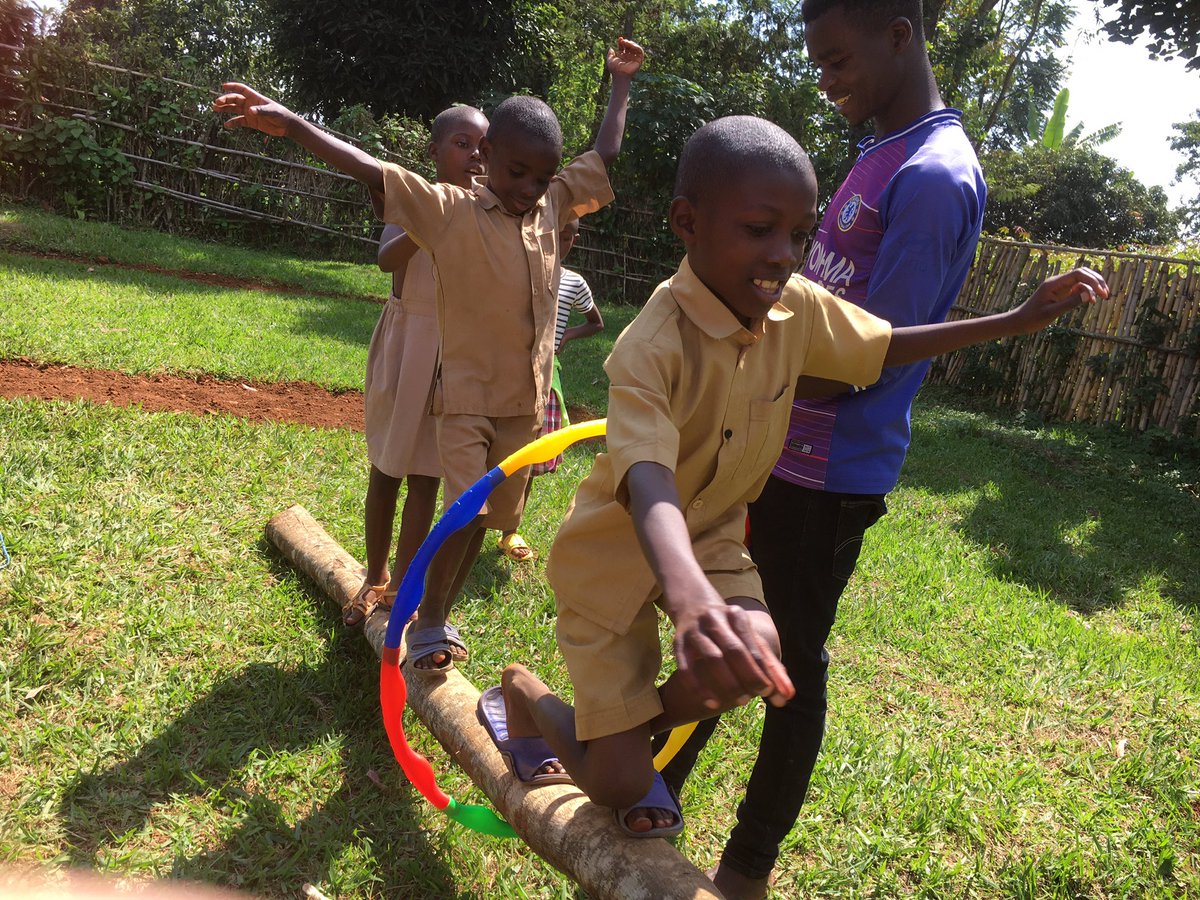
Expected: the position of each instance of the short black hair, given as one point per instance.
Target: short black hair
(725, 148)
(869, 15)
(528, 117)
(448, 119)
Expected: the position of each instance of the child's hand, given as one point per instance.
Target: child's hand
(626, 59)
(251, 109)
(1056, 296)
(723, 659)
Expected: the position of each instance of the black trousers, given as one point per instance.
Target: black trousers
(805, 544)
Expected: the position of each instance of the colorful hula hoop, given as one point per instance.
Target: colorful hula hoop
(393, 692)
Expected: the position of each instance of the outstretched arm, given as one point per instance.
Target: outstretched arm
(1053, 297)
(251, 109)
(719, 654)
(622, 62)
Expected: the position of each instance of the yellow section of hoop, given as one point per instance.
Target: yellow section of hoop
(550, 445)
(673, 745)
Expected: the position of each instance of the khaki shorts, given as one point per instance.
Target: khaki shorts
(615, 676)
(472, 445)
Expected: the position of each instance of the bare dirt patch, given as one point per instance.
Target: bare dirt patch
(299, 402)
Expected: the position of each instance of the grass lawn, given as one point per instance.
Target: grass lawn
(135, 321)
(1014, 706)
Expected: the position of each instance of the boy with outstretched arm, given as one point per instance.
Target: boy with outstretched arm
(496, 251)
(574, 295)
(401, 364)
(701, 389)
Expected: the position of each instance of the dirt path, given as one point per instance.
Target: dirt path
(293, 401)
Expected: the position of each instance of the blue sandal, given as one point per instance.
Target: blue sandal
(660, 797)
(523, 755)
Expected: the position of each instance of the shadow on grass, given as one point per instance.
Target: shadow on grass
(229, 749)
(1079, 520)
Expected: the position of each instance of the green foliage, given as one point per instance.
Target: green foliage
(996, 62)
(406, 56)
(1186, 140)
(1075, 196)
(195, 40)
(664, 110)
(1052, 136)
(70, 158)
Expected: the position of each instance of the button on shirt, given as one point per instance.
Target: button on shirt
(497, 275)
(695, 391)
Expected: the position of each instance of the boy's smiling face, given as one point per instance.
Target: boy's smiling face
(458, 155)
(520, 169)
(745, 237)
(861, 70)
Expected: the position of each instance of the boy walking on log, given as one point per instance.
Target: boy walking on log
(701, 386)
(898, 238)
(401, 364)
(496, 251)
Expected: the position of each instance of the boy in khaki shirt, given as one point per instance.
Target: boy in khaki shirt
(702, 383)
(496, 252)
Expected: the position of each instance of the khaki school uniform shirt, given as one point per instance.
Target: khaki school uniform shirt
(497, 296)
(695, 391)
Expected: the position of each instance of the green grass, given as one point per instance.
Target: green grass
(1006, 719)
(27, 228)
(1014, 707)
(134, 321)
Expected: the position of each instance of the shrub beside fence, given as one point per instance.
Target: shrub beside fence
(1130, 360)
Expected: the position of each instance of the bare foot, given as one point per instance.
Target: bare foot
(736, 886)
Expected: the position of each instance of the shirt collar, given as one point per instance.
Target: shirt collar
(946, 114)
(712, 316)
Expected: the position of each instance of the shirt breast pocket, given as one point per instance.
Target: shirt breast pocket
(768, 429)
(547, 242)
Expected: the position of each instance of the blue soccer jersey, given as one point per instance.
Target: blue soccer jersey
(897, 239)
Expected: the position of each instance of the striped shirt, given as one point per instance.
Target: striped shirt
(573, 294)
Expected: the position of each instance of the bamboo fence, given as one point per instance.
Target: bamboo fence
(1129, 360)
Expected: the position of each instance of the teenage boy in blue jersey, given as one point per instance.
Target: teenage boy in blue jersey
(897, 239)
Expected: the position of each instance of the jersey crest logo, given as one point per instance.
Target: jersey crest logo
(848, 214)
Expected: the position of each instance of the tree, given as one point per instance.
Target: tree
(410, 56)
(198, 40)
(1187, 141)
(17, 20)
(1073, 195)
(995, 61)
(1172, 27)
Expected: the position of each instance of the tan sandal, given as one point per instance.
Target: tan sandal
(360, 607)
(514, 547)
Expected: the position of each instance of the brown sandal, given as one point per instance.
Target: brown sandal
(360, 607)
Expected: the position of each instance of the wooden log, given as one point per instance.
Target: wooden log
(557, 821)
